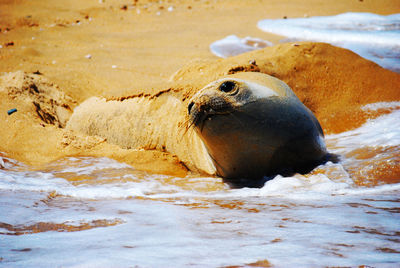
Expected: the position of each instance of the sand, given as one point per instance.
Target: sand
(56, 54)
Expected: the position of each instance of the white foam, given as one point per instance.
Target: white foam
(393, 105)
(6, 162)
(233, 45)
(381, 189)
(296, 187)
(2, 164)
(88, 165)
(382, 131)
(47, 182)
(372, 36)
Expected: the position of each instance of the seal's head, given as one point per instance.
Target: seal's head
(254, 127)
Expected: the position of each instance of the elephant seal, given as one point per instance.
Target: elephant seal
(243, 127)
(253, 126)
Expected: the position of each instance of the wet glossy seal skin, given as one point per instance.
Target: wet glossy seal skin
(254, 126)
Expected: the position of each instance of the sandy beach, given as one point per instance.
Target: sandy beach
(73, 200)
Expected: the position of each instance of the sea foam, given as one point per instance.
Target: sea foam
(233, 45)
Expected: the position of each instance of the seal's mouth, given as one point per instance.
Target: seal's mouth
(204, 109)
(199, 114)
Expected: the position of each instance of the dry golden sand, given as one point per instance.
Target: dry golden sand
(122, 48)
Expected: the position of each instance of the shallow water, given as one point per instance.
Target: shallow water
(94, 212)
(374, 37)
(233, 45)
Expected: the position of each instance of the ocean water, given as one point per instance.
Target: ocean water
(372, 36)
(96, 212)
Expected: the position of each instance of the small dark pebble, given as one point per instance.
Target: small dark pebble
(11, 111)
(124, 7)
(285, 17)
(37, 72)
(9, 44)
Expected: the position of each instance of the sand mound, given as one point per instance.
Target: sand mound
(31, 134)
(333, 82)
(34, 93)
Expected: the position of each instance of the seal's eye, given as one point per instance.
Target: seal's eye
(227, 86)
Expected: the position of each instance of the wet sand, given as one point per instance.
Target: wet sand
(121, 48)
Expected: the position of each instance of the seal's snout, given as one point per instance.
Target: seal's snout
(204, 107)
(201, 109)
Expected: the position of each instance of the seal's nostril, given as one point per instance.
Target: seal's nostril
(190, 106)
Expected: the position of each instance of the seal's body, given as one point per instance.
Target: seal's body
(256, 127)
(247, 126)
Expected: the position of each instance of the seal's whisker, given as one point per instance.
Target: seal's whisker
(202, 119)
(191, 124)
(186, 126)
(185, 130)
